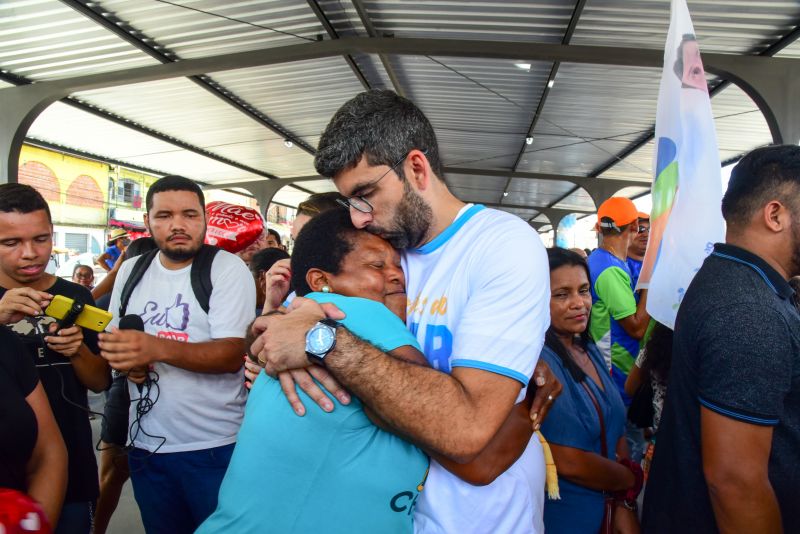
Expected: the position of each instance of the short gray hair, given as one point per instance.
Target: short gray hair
(381, 125)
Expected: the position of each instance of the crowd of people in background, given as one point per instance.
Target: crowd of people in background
(417, 364)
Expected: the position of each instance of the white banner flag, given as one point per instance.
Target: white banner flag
(687, 189)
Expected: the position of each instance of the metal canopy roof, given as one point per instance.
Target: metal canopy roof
(233, 126)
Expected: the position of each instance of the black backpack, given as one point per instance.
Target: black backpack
(200, 275)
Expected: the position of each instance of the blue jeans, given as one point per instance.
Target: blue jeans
(177, 491)
(75, 518)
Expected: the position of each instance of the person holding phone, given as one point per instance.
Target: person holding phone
(66, 358)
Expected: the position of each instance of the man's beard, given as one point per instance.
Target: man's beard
(185, 253)
(412, 221)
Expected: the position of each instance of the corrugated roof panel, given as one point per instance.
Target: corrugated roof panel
(522, 214)
(740, 124)
(198, 28)
(579, 200)
(271, 155)
(793, 50)
(639, 164)
(289, 196)
(301, 96)
(180, 108)
(191, 165)
(373, 69)
(318, 186)
(45, 39)
(468, 181)
(471, 188)
(495, 96)
(601, 101)
(541, 21)
(477, 150)
(578, 158)
(523, 191)
(64, 125)
(738, 26)
(478, 196)
(199, 118)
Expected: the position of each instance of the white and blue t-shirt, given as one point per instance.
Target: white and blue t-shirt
(479, 297)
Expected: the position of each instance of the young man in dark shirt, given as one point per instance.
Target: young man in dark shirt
(67, 359)
(728, 445)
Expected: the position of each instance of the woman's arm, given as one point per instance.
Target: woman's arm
(106, 285)
(591, 470)
(101, 260)
(47, 467)
(634, 381)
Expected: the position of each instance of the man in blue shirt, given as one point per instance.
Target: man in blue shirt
(118, 241)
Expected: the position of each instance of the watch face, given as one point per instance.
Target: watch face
(320, 339)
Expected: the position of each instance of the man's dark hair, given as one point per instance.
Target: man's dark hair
(22, 199)
(173, 183)
(275, 234)
(265, 258)
(765, 174)
(319, 203)
(322, 244)
(611, 231)
(557, 258)
(380, 125)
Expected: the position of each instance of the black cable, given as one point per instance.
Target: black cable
(41, 334)
(263, 27)
(143, 406)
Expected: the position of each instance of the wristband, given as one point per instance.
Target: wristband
(630, 494)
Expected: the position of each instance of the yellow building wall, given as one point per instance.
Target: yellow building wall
(76, 189)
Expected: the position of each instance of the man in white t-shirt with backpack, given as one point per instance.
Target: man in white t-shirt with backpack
(195, 303)
(478, 287)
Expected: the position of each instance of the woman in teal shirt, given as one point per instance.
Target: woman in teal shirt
(328, 471)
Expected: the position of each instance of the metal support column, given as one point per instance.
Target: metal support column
(20, 107)
(776, 91)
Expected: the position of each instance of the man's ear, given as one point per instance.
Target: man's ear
(418, 170)
(147, 224)
(316, 279)
(776, 216)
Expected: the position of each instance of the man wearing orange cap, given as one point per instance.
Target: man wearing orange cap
(638, 247)
(618, 322)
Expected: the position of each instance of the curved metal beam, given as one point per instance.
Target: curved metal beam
(720, 64)
(37, 97)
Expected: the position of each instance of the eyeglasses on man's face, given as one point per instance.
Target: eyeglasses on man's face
(643, 228)
(360, 203)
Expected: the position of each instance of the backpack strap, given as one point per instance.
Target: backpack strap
(201, 275)
(139, 268)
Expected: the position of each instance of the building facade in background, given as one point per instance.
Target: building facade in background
(87, 197)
